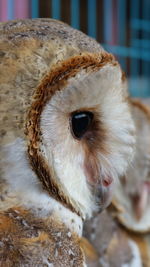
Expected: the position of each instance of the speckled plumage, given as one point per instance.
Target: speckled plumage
(28, 241)
(29, 49)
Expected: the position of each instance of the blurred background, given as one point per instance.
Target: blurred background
(121, 26)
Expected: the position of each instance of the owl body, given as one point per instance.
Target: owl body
(66, 137)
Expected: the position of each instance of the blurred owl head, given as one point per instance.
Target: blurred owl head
(79, 134)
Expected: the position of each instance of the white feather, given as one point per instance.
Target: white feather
(103, 91)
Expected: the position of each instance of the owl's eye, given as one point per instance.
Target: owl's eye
(80, 122)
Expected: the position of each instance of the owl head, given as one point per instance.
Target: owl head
(78, 128)
(80, 131)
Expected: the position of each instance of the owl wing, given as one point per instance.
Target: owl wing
(29, 241)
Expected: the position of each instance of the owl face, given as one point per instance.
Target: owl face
(84, 135)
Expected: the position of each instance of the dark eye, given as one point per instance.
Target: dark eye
(80, 122)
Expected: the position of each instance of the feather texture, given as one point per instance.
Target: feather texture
(51, 181)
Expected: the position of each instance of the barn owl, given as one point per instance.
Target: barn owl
(66, 137)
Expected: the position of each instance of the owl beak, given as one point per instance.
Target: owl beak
(102, 186)
(107, 181)
(104, 192)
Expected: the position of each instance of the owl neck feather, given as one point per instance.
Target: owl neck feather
(26, 191)
(49, 185)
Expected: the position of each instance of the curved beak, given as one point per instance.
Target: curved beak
(102, 186)
(103, 192)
